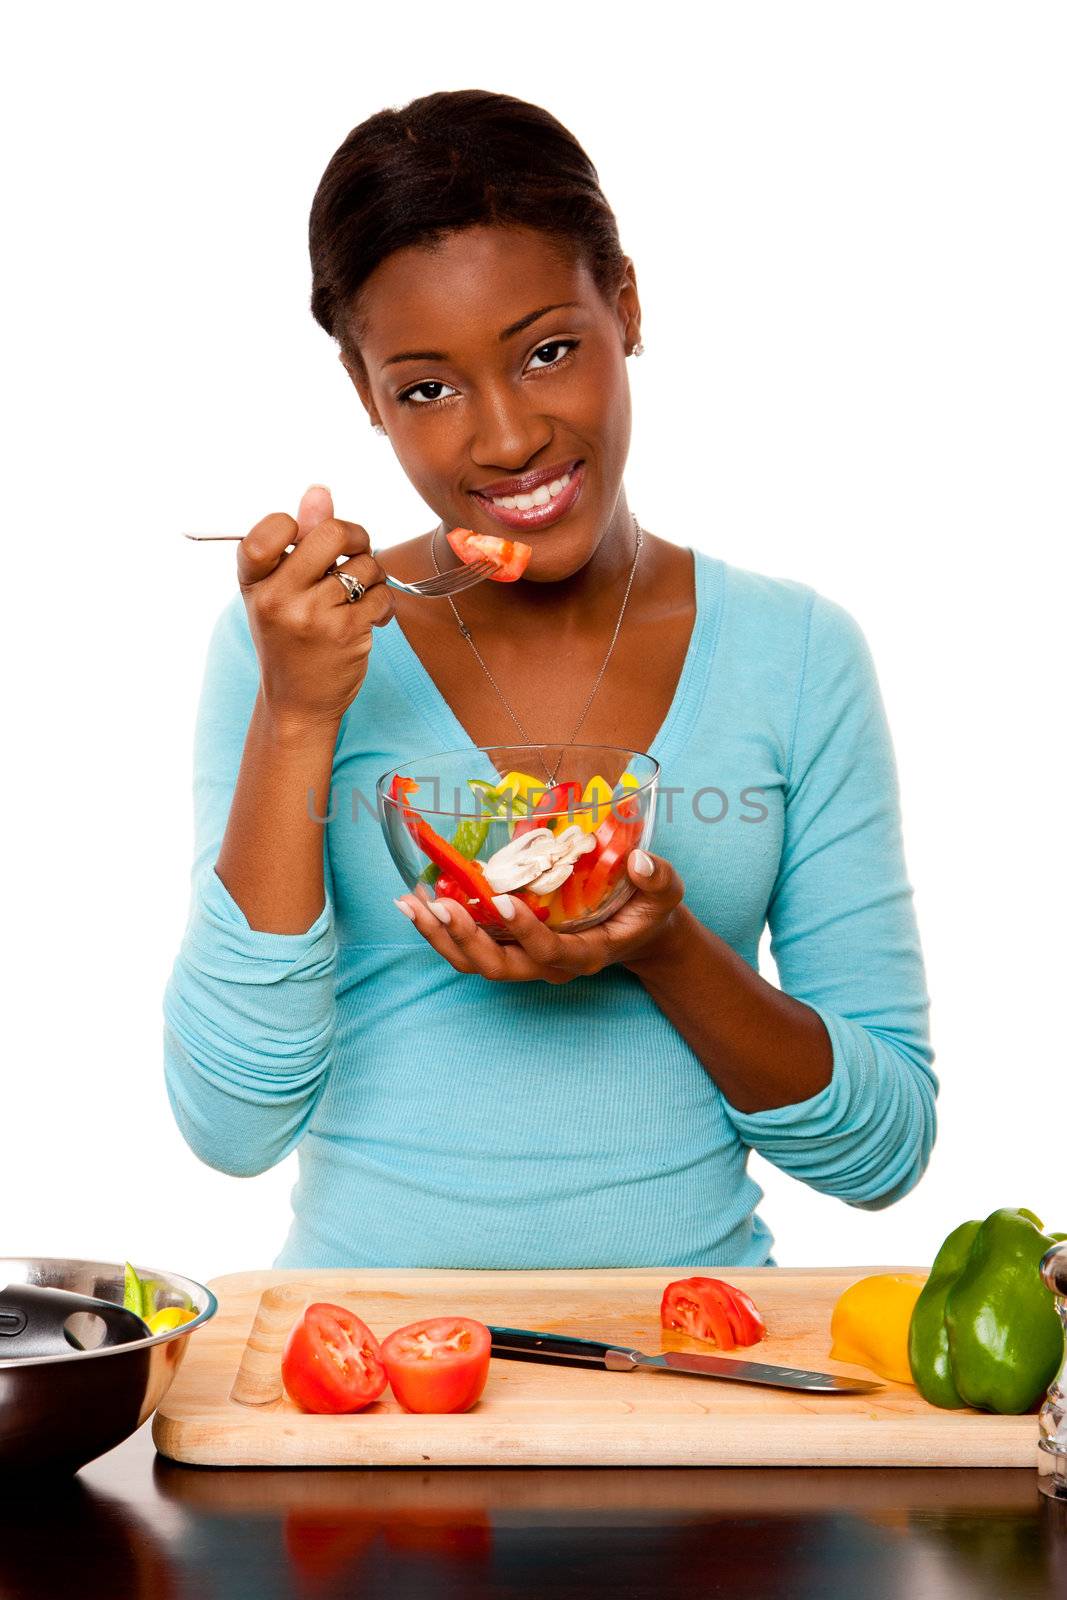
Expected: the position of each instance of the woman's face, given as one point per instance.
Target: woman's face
(498, 391)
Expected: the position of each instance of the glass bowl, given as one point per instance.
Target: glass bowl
(455, 822)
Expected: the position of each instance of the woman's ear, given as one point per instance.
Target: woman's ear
(628, 305)
(362, 387)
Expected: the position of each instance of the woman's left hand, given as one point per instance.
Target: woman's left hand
(638, 928)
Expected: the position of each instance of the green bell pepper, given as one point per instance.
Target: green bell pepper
(472, 832)
(985, 1331)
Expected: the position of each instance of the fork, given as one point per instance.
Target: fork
(443, 583)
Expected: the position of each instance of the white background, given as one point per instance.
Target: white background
(849, 236)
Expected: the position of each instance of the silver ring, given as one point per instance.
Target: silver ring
(353, 588)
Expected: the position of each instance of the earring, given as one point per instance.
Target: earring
(378, 427)
(638, 349)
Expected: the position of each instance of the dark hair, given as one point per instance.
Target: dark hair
(452, 160)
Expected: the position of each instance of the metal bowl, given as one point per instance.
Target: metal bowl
(59, 1412)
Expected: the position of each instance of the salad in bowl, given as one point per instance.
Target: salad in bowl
(471, 823)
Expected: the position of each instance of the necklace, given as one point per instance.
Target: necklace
(465, 631)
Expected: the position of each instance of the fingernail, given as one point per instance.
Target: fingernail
(643, 864)
(406, 909)
(440, 911)
(505, 905)
(324, 487)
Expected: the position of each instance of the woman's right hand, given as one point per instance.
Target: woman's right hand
(312, 642)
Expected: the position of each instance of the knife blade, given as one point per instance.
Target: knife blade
(530, 1344)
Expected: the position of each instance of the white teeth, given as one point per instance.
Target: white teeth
(540, 496)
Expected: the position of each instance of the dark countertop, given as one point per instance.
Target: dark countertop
(135, 1526)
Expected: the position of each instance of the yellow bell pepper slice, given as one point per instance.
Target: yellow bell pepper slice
(869, 1323)
(170, 1317)
(596, 798)
(596, 802)
(519, 783)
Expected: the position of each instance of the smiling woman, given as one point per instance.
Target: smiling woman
(574, 1099)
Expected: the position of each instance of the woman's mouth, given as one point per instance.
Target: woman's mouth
(545, 505)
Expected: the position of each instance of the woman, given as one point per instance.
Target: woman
(566, 1100)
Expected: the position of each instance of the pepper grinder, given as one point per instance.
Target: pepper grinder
(1052, 1445)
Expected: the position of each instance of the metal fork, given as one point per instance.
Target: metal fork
(440, 584)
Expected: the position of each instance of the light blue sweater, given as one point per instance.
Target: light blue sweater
(445, 1120)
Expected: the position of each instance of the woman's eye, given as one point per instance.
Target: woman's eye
(431, 383)
(416, 396)
(555, 344)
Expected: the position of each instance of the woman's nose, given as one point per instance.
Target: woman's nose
(509, 430)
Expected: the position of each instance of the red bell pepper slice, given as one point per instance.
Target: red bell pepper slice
(538, 905)
(467, 874)
(571, 897)
(400, 788)
(615, 839)
(448, 888)
(560, 797)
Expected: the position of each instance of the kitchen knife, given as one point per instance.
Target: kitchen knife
(526, 1344)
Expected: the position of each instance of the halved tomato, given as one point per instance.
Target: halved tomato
(331, 1361)
(438, 1364)
(712, 1310)
(511, 555)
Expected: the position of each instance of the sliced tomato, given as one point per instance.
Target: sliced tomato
(748, 1325)
(709, 1309)
(438, 1364)
(331, 1361)
(511, 555)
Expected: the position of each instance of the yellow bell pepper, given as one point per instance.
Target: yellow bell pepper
(596, 802)
(519, 783)
(869, 1324)
(170, 1317)
(596, 798)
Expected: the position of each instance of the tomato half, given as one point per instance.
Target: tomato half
(331, 1361)
(709, 1309)
(511, 555)
(438, 1364)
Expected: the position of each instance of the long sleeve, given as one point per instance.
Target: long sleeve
(249, 1017)
(844, 937)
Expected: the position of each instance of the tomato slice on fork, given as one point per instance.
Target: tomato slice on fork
(511, 555)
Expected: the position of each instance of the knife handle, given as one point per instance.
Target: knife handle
(526, 1344)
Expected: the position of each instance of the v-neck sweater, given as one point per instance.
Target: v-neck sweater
(444, 1119)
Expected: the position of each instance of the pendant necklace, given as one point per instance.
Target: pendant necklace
(465, 631)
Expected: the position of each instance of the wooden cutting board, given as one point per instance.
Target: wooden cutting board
(534, 1414)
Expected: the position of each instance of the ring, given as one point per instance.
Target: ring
(353, 588)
